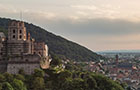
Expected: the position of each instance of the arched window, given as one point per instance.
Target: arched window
(14, 36)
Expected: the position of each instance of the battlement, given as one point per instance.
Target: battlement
(16, 24)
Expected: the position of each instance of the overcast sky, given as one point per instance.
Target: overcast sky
(97, 24)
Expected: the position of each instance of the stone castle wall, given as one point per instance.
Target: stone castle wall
(19, 47)
(26, 62)
(28, 67)
(21, 51)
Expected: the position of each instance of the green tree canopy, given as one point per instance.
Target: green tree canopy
(9, 77)
(38, 84)
(7, 86)
(18, 85)
(38, 73)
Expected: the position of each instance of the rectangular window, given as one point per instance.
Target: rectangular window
(20, 36)
(20, 31)
(14, 31)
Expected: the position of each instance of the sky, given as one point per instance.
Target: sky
(96, 24)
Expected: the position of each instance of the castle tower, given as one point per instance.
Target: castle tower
(16, 31)
(18, 43)
(117, 59)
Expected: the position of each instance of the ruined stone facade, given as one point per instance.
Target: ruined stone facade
(19, 51)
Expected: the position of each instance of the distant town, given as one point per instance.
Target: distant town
(123, 67)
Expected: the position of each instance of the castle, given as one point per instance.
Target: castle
(19, 51)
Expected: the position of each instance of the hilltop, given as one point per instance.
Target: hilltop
(57, 45)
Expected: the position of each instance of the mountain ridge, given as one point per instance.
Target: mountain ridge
(58, 45)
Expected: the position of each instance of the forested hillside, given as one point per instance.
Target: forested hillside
(73, 77)
(57, 44)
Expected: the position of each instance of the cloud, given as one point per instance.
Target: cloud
(84, 7)
(100, 11)
(100, 26)
(99, 34)
(9, 9)
(40, 14)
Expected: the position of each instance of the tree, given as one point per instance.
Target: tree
(124, 85)
(38, 73)
(63, 75)
(38, 84)
(20, 77)
(73, 84)
(56, 61)
(9, 77)
(28, 81)
(18, 85)
(91, 83)
(105, 83)
(7, 86)
(0, 86)
(21, 71)
(2, 78)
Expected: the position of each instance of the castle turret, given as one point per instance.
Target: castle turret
(29, 37)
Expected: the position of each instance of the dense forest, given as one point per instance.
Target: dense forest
(72, 77)
(57, 45)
